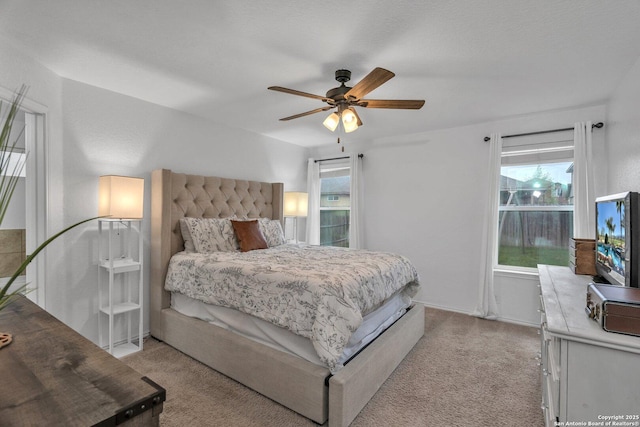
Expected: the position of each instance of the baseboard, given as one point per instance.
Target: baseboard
(442, 307)
(499, 319)
(518, 322)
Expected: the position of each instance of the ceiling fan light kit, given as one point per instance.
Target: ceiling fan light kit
(345, 98)
(331, 122)
(348, 117)
(349, 120)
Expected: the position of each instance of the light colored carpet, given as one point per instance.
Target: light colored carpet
(465, 371)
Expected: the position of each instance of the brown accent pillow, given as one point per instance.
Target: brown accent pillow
(249, 235)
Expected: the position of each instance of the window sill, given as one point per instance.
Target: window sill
(519, 273)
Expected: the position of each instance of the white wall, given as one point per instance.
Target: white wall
(425, 198)
(623, 134)
(92, 132)
(107, 133)
(44, 90)
(44, 87)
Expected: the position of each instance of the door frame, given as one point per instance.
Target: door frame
(36, 191)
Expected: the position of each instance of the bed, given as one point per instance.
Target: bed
(335, 393)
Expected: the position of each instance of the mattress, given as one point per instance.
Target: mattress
(281, 339)
(318, 292)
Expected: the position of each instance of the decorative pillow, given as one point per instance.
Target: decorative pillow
(272, 231)
(249, 235)
(211, 234)
(186, 236)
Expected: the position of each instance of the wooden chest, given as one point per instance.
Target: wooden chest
(615, 308)
(582, 256)
(51, 375)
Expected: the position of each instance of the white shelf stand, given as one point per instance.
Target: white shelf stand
(120, 262)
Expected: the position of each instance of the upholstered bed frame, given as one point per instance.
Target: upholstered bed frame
(300, 385)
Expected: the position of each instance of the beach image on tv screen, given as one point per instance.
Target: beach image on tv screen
(611, 237)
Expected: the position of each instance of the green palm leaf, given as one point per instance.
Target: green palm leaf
(9, 175)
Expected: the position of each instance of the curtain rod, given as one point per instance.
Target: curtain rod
(337, 158)
(595, 125)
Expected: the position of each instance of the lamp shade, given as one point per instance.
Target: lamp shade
(331, 122)
(121, 197)
(349, 120)
(295, 203)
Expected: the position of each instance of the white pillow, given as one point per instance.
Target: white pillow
(272, 231)
(210, 234)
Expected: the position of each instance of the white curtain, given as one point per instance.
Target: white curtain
(583, 191)
(487, 306)
(355, 238)
(313, 212)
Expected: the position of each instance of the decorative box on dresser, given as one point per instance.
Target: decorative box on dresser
(587, 374)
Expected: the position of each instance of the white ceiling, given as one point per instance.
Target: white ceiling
(471, 60)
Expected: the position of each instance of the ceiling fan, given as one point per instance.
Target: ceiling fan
(345, 98)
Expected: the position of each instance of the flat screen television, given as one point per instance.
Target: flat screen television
(617, 234)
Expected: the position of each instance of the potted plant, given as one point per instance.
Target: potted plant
(9, 175)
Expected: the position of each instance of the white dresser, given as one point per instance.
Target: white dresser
(588, 374)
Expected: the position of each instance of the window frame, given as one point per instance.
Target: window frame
(544, 151)
(334, 170)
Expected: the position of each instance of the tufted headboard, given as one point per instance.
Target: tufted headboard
(177, 195)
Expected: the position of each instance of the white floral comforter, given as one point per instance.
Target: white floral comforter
(318, 292)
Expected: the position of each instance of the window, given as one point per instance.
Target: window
(535, 220)
(335, 205)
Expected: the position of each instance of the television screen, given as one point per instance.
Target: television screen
(611, 238)
(614, 238)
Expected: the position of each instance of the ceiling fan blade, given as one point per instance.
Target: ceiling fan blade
(370, 82)
(317, 110)
(405, 104)
(297, 92)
